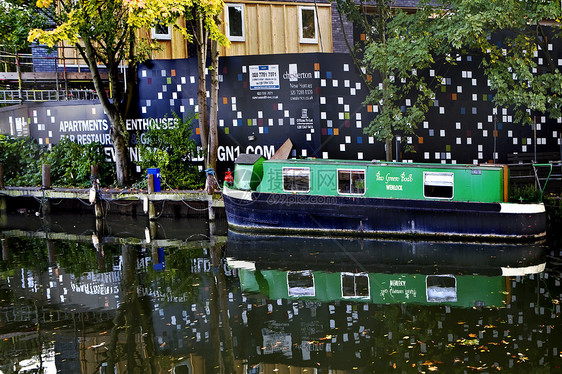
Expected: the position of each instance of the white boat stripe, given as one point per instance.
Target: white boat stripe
(514, 208)
(237, 194)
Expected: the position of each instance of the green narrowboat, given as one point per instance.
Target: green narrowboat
(316, 196)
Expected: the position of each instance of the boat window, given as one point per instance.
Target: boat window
(441, 288)
(300, 283)
(243, 176)
(354, 285)
(351, 181)
(438, 185)
(296, 179)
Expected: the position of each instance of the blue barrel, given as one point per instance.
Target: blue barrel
(156, 173)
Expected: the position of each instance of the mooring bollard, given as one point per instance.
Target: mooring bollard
(151, 209)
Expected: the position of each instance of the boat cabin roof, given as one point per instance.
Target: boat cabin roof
(247, 159)
(345, 163)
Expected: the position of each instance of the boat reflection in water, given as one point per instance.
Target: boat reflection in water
(381, 272)
(337, 291)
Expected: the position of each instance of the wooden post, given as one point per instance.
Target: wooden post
(46, 181)
(5, 250)
(51, 252)
(46, 184)
(94, 171)
(151, 209)
(2, 198)
(211, 209)
(100, 228)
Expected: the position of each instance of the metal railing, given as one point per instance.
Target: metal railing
(545, 176)
(15, 96)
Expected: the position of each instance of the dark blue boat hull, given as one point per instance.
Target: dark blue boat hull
(286, 213)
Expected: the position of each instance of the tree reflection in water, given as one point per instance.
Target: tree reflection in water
(125, 305)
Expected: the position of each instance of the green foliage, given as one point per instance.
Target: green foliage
(70, 164)
(15, 23)
(509, 35)
(171, 149)
(78, 258)
(528, 193)
(396, 47)
(19, 157)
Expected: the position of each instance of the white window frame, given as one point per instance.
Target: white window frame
(293, 172)
(452, 296)
(352, 171)
(159, 36)
(445, 179)
(309, 291)
(355, 276)
(304, 40)
(235, 38)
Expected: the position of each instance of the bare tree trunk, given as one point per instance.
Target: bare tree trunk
(213, 141)
(117, 130)
(119, 147)
(202, 87)
(388, 149)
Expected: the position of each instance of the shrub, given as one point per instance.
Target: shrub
(70, 164)
(20, 156)
(525, 193)
(171, 149)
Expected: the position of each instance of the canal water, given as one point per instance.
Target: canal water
(186, 296)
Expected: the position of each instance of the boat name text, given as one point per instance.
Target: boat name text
(389, 180)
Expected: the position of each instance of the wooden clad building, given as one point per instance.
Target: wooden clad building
(254, 27)
(261, 27)
(275, 27)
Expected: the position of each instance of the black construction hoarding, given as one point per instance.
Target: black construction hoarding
(316, 100)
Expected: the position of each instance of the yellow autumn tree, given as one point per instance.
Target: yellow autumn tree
(105, 33)
(201, 28)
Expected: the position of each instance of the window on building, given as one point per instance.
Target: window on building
(308, 28)
(235, 22)
(355, 285)
(351, 182)
(300, 283)
(162, 32)
(438, 185)
(296, 179)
